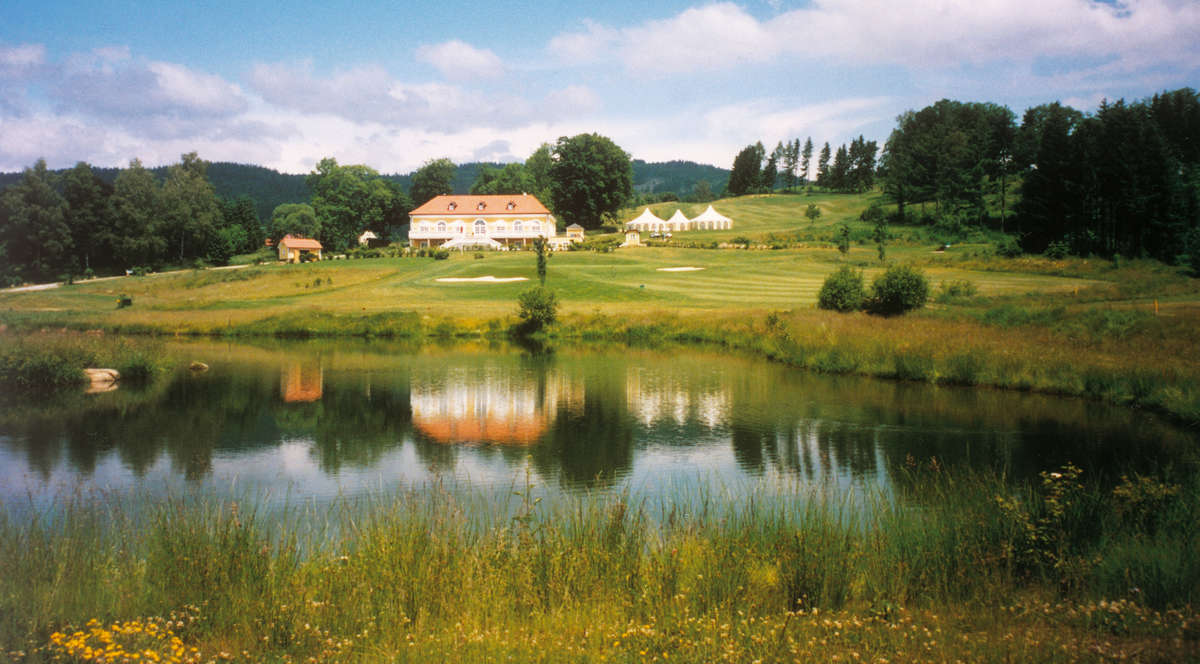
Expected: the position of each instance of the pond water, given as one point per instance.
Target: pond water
(319, 420)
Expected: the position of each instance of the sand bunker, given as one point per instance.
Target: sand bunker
(489, 279)
(679, 269)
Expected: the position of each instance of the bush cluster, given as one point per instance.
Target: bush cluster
(538, 309)
(843, 290)
(901, 288)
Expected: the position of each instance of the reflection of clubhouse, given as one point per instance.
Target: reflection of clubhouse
(486, 409)
(301, 383)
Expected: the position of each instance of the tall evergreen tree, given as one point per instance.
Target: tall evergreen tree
(805, 159)
(745, 176)
(791, 159)
(770, 172)
(823, 166)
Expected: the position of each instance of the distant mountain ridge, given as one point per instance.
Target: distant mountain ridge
(270, 188)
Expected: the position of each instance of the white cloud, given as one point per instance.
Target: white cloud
(589, 46)
(915, 33)
(459, 61)
(572, 100)
(17, 59)
(718, 36)
(133, 92)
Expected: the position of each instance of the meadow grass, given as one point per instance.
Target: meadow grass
(1126, 332)
(954, 566)
(57, 359)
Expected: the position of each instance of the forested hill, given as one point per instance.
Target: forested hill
(266, 187)
(680, 177)
(270, 188)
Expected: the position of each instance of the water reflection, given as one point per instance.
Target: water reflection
(319, 419)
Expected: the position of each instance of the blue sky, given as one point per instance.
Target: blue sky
(393, 85)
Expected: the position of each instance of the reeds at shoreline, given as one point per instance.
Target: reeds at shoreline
(954, 565)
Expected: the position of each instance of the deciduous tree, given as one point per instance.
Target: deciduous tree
(591, 177)
(434, 178)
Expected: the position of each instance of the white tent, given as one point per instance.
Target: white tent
(678, 222)
(710, 219)
(647, 222)
(465, 242)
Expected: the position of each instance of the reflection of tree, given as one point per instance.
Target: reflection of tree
(748, 442)
(589, 411)
(589, 445)
(357, 426)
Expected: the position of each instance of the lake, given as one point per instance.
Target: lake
(318, 420)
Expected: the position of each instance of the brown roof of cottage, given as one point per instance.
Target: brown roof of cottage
(299, 243)
(491, 204)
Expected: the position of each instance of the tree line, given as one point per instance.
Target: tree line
(55, 225)
(850, 170)
(76, 223)
(1124, 180)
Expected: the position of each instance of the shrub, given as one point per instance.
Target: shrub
(900, 289)
(1008, 247)
(538, 309)
(873, 214)
(843, 239)
(842, 290)
(951, 291)
(1057, 250)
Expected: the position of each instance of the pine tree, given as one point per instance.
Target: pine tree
(806, 159)
(823, 166)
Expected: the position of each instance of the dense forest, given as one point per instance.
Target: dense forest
(1124, 180)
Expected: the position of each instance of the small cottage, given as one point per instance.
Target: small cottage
(294, 249)
(575, 233)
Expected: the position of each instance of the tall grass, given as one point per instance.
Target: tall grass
(49, 360)
(441, 574)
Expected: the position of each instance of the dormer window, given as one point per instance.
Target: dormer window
(481, 205)
(511, 205)
(452, 205)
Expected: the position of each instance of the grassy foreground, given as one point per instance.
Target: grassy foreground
(954, 568)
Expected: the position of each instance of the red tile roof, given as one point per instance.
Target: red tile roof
(492, 204)
(299, 243)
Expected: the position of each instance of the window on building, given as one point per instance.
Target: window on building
(452, 205)
(517, 226)
(499, 227)
(480, 227)
(534, 227)
(481, 205)
(441, 227)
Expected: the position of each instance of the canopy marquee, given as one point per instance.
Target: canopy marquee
(708, 220)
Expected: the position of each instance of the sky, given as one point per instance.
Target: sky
(395, 84)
